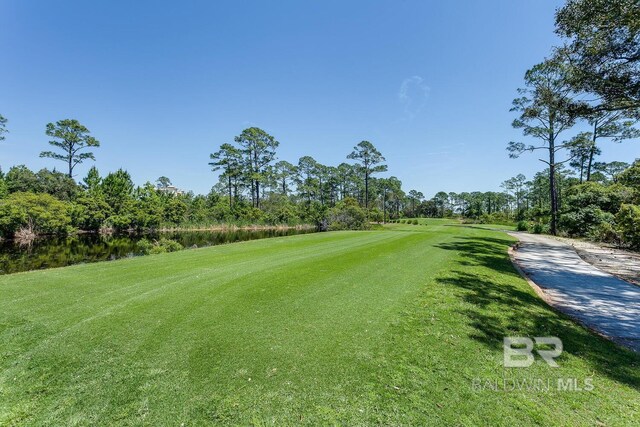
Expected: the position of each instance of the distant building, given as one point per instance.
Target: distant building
(171, 189)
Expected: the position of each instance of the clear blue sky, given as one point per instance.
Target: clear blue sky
(163, 84)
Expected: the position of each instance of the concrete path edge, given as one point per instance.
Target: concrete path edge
(551, 303)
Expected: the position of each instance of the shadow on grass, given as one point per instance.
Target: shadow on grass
(504, 305)
(487, 252)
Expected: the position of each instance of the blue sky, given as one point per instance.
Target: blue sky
(163, 84)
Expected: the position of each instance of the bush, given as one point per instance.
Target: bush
(538, 228)
(144, 246)
(605, 232)
(522, 226)
(174, 211)
(375, 215)
(221, 212)
(119, 222)
(484, 219)
(89, 213)
(631, 176)
(347, 215)
(285, 215)
(628, 220)
(39, 213)
(583, 220)
(314, 213)
(158, 246)
(414, 222)
(255, 215)
(4, 191)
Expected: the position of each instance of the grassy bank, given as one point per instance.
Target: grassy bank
(386, 327)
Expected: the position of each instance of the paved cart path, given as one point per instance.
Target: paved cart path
(601, 301)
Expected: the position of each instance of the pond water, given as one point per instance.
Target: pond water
(60, 251)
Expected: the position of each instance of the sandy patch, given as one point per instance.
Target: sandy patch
(620, 263)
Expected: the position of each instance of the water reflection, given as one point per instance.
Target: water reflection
(61, 251)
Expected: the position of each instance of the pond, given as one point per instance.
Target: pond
(52, 252)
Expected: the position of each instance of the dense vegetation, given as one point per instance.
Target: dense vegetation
(386, 327)
(254, 188)
(586, 92)
(591, 83)
(602, 208)
(585, 95)
(393, 326)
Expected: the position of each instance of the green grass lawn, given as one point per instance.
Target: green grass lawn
(382, 327)
(440, 221)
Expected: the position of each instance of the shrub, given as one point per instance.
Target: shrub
(159, 246)
(347, 215)
(88, 212)
(39, 213)
(169, 245)
(4, 191)
(414, 222)
(314, 213)
(628, 220)
(174, 211)
(538, 228)
(285, 215)
(21, 179)
(221, 212)
(605, 232)
(583, 220)
(484, 219)
(255, 215)
(119, 222)
(522, 226)
(631, 176)
(144, 246)
(375, 215)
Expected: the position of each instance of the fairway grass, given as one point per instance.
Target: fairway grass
(381, 327)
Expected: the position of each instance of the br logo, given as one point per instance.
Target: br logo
(518, 351)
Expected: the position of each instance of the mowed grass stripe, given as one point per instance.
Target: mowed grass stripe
(107, 284)
(102, 296)
(384, 327)
(172, 294)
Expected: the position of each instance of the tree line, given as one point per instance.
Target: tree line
(254, 187)
(592, 82)
(585, 95)
(249, 170)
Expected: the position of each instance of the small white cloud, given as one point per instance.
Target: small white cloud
(413, 95)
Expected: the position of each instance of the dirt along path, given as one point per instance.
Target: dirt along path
(620, 263)
(599, 300)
